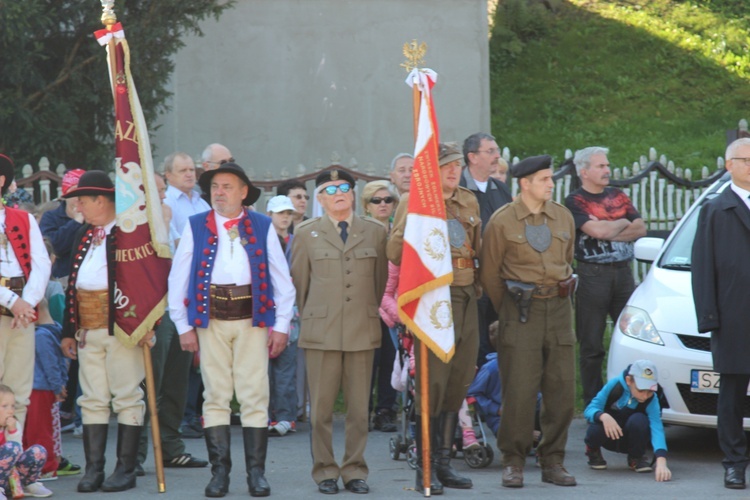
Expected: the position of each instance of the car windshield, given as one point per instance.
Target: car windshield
(677, 256)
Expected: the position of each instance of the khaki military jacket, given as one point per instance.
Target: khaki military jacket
(507, 255)
(339, 286)
(462, 205)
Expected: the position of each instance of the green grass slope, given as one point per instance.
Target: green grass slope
(629, 75)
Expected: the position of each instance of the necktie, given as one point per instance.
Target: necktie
(231, 223)
(344, 234)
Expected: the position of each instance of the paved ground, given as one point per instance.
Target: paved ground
(695, 463)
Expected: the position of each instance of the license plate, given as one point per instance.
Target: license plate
(704, 381)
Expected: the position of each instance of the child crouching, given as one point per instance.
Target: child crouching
(623, 416)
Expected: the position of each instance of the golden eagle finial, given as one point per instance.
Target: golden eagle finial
(414, 53)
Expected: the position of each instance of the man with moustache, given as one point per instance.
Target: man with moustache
(482, 156)
(449, 382)
(231, 294)
(607, 225)
(340, 269)
(402, 166)
(526, 270)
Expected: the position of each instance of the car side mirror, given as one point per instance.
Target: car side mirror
(647, 249)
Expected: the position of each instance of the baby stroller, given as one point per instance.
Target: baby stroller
(477, 457)
(404, 443)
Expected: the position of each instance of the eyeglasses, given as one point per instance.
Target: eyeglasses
(222, 162)
(331, 190)
(300, 196)
(746, 161)
(378, 200)
(491, 151)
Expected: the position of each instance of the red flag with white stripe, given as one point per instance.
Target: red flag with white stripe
(424, 300)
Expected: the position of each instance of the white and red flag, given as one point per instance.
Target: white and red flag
(142, 257)
(424, 299)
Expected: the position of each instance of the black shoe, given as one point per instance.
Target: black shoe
(384, 421)
(357, 486)
(185, 460)
(734, 478)
(191, 432)
(328, 487)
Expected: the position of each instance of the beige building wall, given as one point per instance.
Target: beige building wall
(290, 85)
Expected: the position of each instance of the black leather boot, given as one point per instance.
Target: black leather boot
(445, 433)
(256, 443)
(436, 488)
(217, 444)
(94, 446)
(123, 478)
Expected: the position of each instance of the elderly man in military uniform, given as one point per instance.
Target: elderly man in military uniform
(339, 269)
(231, 293)
(526, 271)
(450, 381)
(110, 370)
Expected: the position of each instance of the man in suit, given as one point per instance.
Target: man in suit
(720, 276)
(339, 269)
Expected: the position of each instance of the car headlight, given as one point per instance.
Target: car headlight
(636, 323)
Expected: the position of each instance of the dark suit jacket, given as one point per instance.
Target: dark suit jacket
(721, 280)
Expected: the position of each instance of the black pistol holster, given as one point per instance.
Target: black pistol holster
(522, 294)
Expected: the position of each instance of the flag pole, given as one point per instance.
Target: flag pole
(154, 415)
(109, 19)
(414, 54)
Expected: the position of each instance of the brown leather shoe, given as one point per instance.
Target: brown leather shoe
(556, 474)
(513, 476)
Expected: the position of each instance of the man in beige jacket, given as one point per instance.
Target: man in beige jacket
(339, 268)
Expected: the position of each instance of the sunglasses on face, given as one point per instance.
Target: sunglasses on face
(331, 190)
(378, 200)
(300, 196)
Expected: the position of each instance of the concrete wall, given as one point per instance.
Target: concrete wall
(285, 83)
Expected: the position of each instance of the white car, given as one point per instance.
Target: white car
(659, 324)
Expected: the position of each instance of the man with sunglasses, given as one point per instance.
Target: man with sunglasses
(339, 269)
(482, 156)
(297, 192)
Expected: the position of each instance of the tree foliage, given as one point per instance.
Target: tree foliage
(55, 98)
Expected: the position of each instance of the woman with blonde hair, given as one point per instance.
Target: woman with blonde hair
(379, 202)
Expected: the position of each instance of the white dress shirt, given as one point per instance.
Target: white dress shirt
(93, 274)
(744, 194)
(183, 206)
(230, 267)
(41, 267)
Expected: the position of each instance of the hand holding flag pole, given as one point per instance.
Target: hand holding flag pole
(111, 36)
(424, 291)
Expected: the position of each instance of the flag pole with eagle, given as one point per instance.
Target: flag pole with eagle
(142, 255)
(424, 301)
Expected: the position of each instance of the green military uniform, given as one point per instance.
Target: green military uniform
(538, 355)
(450, 381)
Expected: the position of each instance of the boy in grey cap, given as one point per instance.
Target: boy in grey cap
(621, 418)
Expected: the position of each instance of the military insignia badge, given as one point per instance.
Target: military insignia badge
(539, 237)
